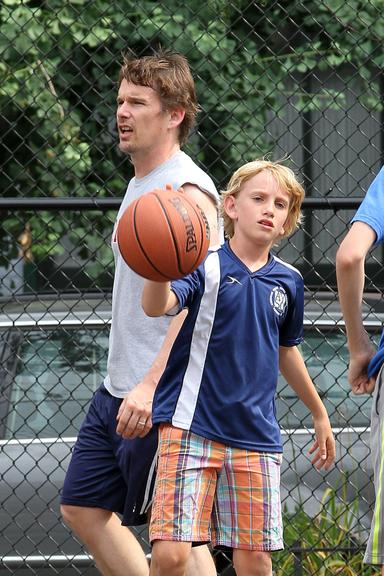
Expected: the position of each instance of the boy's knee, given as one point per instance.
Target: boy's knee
(252, 563)
(262, 565)
(169, 558)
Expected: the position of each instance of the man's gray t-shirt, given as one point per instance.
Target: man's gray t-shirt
(135, 339)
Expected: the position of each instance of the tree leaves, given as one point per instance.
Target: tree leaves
(60, 61)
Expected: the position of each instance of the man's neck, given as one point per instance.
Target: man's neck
(145, 162)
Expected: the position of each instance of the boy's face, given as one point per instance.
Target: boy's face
(260, 209)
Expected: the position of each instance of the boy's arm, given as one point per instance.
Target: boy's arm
(296, 374)
(350, 260)
(157, 298)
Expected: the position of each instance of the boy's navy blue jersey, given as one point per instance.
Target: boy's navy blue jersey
(221, 376)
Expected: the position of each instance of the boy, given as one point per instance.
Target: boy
(219, 441)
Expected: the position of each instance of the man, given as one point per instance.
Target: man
(111, 470)
(365, 374)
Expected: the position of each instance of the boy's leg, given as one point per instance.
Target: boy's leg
(201, 562)
(252, 563)
(247, 510)
(182, 506)
(170, 558)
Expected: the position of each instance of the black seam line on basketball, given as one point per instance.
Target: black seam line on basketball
(159, 199)
(142, 248)
(201, 229)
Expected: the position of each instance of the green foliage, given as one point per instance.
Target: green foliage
(326, 544)
(60, 60)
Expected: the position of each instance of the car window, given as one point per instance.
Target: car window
(326, 357)
(56, 373)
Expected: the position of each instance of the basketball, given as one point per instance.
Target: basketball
(163, 235)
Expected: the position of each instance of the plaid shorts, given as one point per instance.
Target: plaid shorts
(206, 491)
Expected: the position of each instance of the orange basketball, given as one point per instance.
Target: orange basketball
(163, 235)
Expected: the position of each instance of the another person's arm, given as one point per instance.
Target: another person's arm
(350, 270)
(137, 405)
(296, 374)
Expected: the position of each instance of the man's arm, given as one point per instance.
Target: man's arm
(296, 374)
(207, 204)
(136, 407)
(350, 271)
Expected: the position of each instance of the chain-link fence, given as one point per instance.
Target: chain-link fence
(294, 79)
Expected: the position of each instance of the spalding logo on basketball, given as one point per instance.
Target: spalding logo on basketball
(163, 235)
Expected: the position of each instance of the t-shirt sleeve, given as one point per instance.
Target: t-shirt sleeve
(371, 210)
(292, 329)
(206, 187)
(185, 289)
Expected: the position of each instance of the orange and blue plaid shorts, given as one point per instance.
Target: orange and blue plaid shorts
(208, 492)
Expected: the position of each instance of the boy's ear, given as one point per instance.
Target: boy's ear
(230, 206)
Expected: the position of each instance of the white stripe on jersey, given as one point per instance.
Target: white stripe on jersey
(186, 404)
(287, 265)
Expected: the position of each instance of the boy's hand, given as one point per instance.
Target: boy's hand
(324, 447)
(357, 371)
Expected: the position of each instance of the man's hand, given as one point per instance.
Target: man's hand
(134, 415)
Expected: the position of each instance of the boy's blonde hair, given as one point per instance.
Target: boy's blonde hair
(286, 179)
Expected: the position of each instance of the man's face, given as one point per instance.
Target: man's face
(142, 123)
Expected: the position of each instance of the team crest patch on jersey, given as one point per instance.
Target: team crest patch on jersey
(278, 300)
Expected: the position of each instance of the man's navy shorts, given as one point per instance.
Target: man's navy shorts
(107, 471)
